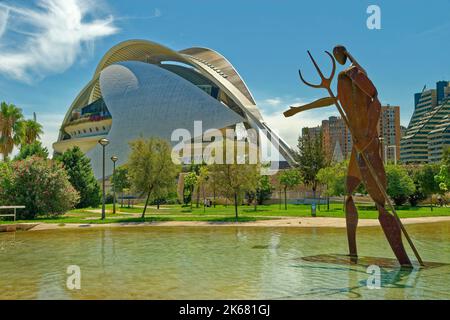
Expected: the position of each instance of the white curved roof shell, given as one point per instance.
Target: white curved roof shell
(140, 60)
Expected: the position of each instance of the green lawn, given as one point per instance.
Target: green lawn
(225, 213)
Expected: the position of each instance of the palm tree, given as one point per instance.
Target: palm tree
(32, 131)
(11, 128)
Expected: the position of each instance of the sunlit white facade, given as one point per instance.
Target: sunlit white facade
(141, 88)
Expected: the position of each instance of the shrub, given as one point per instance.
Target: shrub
(40, 185)
(34, 149)
(417, 196)
(400, 185)
(109, 199)
(79, 170)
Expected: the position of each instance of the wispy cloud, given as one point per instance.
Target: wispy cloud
(278, 104)
(156, 14)
(290, 128)
(439, 29)
(4, 14)
(273, 101)
(47, 38)
(51, 124)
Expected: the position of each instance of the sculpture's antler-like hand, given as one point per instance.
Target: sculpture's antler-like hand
(325, 82)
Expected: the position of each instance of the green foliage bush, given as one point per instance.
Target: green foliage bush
(400, 184)
(39, 184)
(79, 170)
(264, 190)
(34, 149)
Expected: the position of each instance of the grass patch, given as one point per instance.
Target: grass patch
(223, 213)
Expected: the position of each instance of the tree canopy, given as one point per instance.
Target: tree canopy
(289, 179)
(311, 158)
(31, 131)
(233, 180)
(11, 128)
(34, 149)
(151, 169)
(400, 184)
(41, 185)
(81, 176)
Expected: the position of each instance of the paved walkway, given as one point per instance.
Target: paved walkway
(307, 222)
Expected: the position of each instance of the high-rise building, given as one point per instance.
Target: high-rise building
(403, 131)
(428, 131)
(336, 138)
(313, 132)
(390, 133)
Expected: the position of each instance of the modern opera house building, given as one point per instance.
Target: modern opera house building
(143, 89)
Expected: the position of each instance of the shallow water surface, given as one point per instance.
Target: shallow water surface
(215, 263)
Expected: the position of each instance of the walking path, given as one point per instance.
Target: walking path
(306, 222)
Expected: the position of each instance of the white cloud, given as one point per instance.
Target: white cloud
(274, 102)
(49, 37)
(51, 124)
(155, 14)
(4, 15)
(289, 129)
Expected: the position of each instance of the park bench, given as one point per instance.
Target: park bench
(9, 208)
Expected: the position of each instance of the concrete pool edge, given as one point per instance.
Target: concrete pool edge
(304, 222)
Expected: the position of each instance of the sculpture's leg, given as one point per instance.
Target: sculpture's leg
(388, 222)
(351, 213)
(394, 235)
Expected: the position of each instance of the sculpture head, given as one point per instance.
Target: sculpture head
(340, 54)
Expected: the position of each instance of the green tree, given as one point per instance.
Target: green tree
(311, 158)
(233, 180)
(326, 176)
(264, 189)
(121, 181)
(426, 178)
(81, 176)
(443, 178)
(6, 181)
(399, 184)
(190, 183)
(212, 183)
(288, 179)
(31, 131)
(446, 157)
(262, 192)
(151, 170)
(417, 196)
(41, 185)
(11, 128)
(202, 183)
(34, 149)
(333, 178)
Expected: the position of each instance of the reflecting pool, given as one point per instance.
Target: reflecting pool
(216, 263)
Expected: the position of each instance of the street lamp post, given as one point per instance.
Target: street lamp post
(114, 160)
(103, 143)
(381, 139)
(395, 152)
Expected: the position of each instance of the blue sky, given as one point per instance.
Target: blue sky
(49, 48)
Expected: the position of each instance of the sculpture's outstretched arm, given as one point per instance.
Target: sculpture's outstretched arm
(324, 102)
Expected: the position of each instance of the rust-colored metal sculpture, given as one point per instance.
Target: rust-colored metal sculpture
(358, 104)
